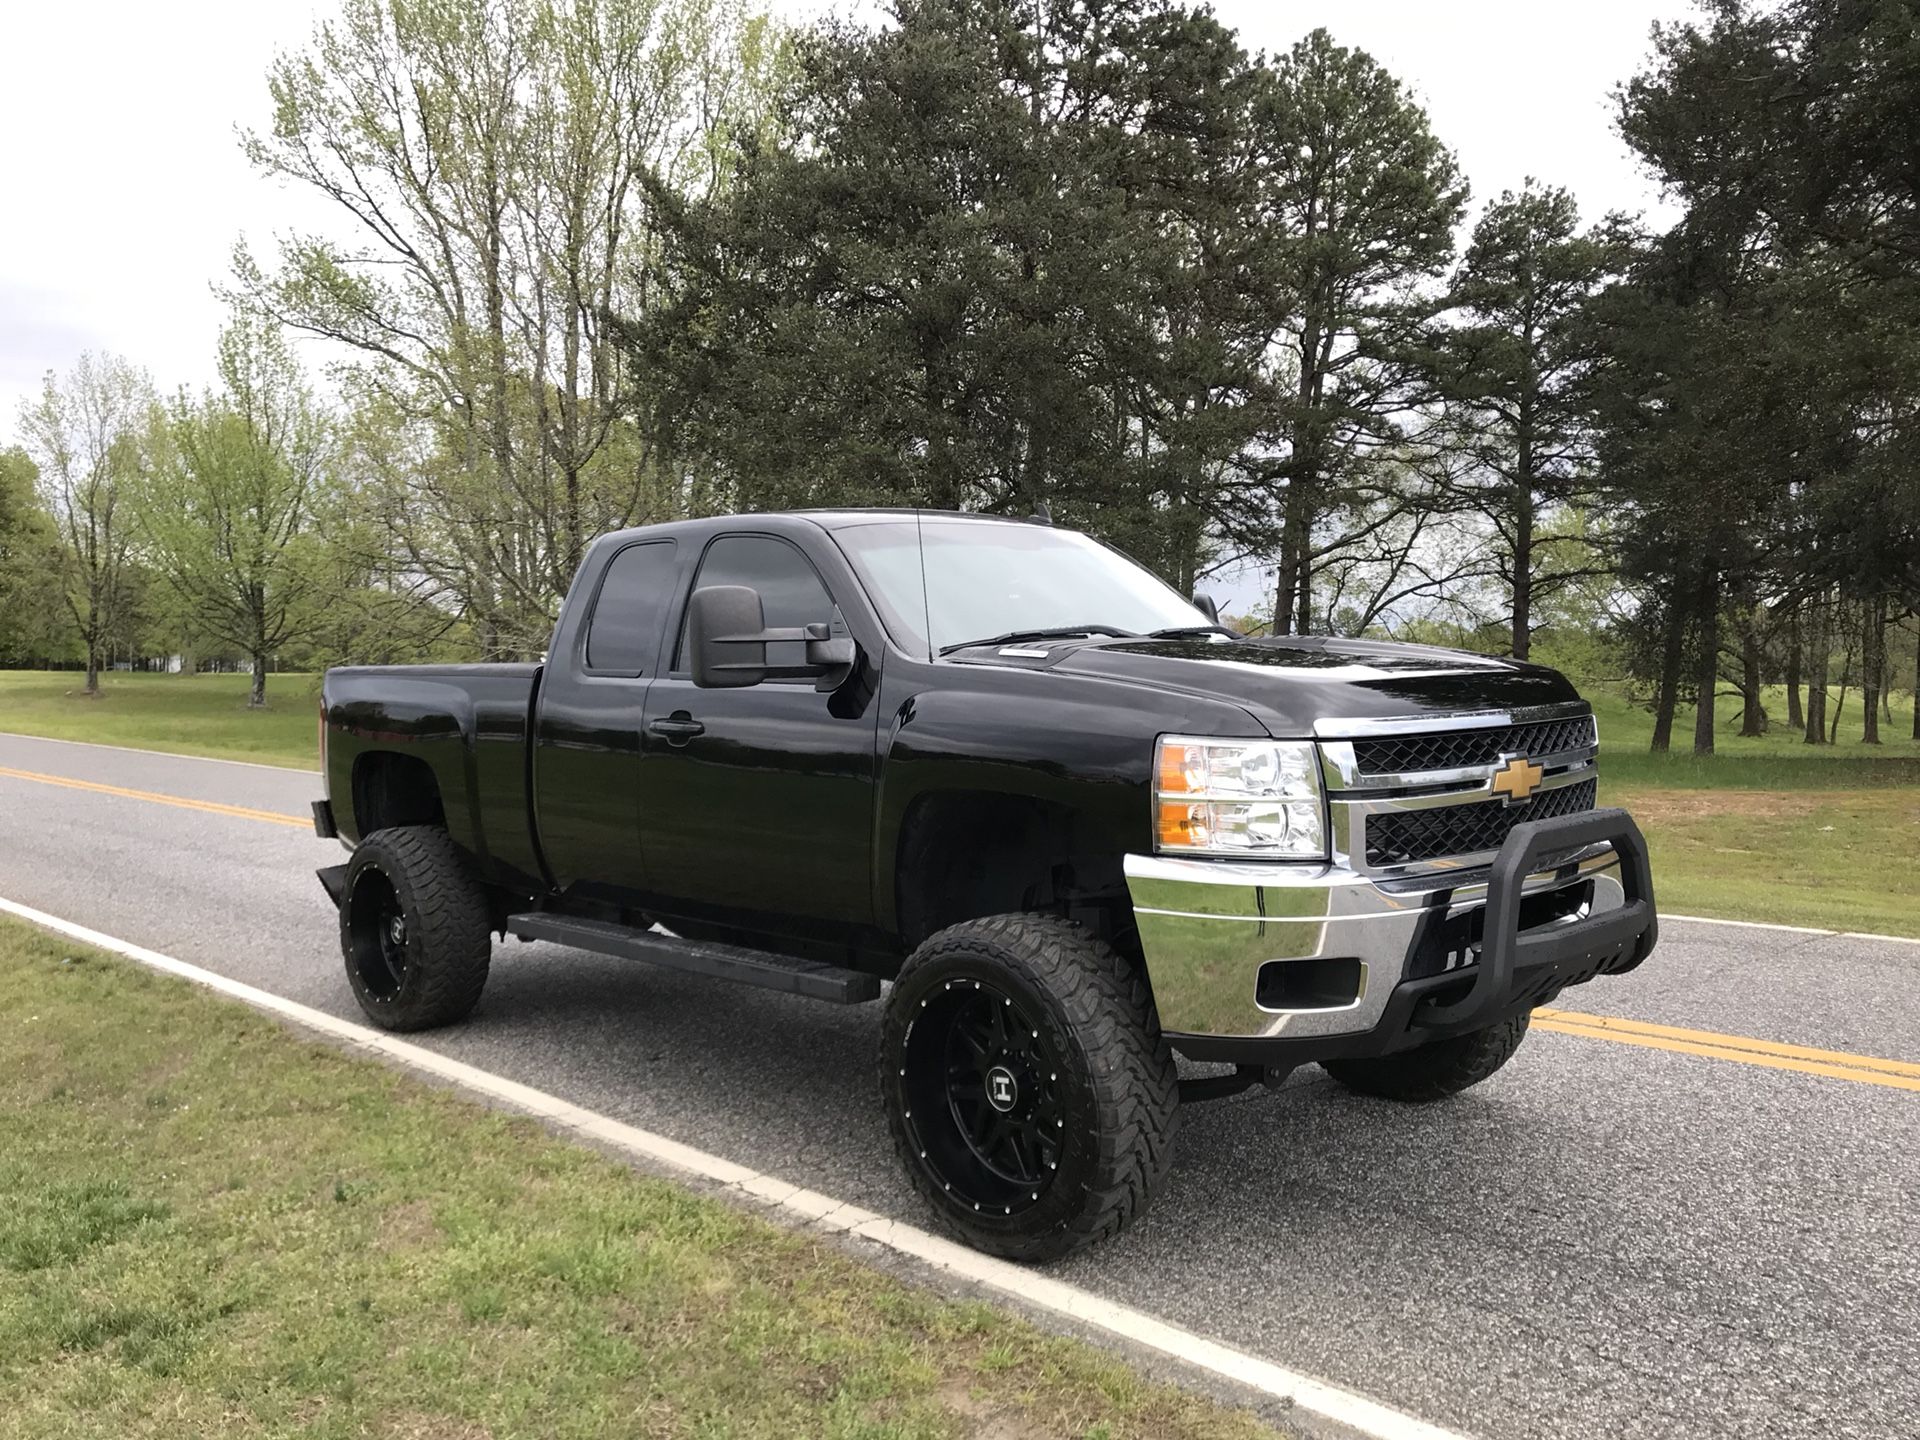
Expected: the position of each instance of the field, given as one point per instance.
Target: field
(1766, 829)
(184, 714)
(1773, 829)
(208, 1226)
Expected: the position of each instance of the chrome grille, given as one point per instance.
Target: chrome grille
(1407, 837)
(1456, 749)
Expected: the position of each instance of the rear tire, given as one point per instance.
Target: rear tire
(1030, 1094)
(413, 929)
(1436, 1070)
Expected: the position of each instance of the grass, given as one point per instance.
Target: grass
(1764, 829)
(209, 1226)
(1770, 828)
(182, 714)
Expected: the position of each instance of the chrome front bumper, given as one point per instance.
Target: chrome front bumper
(1207, 928)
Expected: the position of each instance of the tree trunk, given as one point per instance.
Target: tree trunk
(1707, 669)
(1672, 652)
(1522, 573)
(1795, 718)
(1753, 714)
(1873, 664)
(1846, 679)
(1817, 660)
(257, 697)
(1292, 595)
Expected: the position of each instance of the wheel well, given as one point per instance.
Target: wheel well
(965, 855)
(391, 789)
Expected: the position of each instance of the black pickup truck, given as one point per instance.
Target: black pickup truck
(1078, 825)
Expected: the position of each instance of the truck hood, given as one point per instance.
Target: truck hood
(1289, 684)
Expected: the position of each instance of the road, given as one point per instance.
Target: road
(1608, 1238)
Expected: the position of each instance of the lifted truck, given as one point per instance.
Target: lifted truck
(1077, 824)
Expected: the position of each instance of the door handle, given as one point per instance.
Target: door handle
(677, 729)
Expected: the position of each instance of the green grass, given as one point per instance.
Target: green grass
(209, 1226)
(1771, 828)
(183, 714)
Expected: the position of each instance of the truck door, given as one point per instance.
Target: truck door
(592, 699)
(758, 799)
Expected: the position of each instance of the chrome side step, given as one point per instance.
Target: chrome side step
(789, 974)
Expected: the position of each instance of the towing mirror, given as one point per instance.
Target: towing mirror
(728, 637)
(726, 633)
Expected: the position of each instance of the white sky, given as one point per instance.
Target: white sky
(122, 187)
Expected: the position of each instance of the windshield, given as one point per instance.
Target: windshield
(984, 580)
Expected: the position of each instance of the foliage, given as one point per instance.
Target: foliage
(1512, 369)
(30, 619)
(1764, 388)
(486, 155)
(228, 504)
(1361, 203)
(87, 436)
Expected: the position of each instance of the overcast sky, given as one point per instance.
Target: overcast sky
(122, 188)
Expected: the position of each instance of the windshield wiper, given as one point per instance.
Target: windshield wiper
(1056, 632)
(1182, 632)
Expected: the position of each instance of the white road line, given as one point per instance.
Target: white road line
(163, 754)
(1792, 929)
(1330, 1402)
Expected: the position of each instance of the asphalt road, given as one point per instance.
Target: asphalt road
(1604, 1240)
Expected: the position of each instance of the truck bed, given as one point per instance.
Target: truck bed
(469, 724)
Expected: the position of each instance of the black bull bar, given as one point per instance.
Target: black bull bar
(1609, 943)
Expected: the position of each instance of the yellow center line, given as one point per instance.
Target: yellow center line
(212, 807)
(1745, 1049)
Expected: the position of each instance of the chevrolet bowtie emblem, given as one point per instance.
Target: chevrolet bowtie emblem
(1516, 780)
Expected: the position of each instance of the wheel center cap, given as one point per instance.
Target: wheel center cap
(1003, 1091)
(397, 930)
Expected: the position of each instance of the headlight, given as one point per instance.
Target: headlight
(1238, 797)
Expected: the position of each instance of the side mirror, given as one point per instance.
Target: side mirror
(726, 633)
(1204, 604)
(728, 637)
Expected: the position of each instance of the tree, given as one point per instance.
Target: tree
(486, 154)
(87, 434)
(996, 255)
(1363, 202)
(1788, 130)
(228, 505)
(29, 562)
(1512, 369)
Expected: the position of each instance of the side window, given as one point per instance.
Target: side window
(791, 592)
(631, 609)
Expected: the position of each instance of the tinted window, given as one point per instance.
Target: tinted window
(624, 633)
(791, 592)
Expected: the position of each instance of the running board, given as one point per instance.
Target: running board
(789, 974)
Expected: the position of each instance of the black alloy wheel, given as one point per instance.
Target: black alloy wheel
(983, 1097)
(1030, 1094)
(376, 932)
(414, 928)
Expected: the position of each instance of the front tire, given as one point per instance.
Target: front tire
(1029, 1091)
(413, 929)
(1436, 1070)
